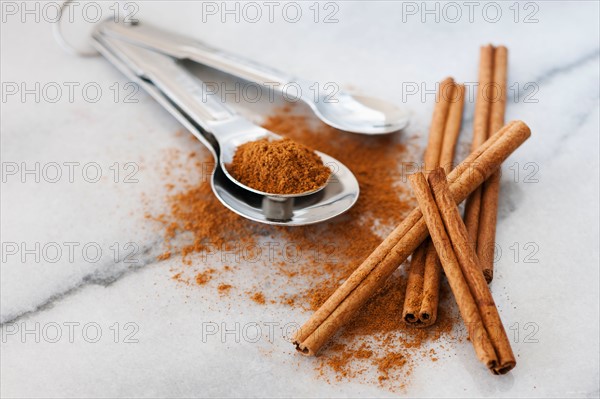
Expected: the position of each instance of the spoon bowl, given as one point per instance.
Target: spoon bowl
(360, 114)
(335, 198)
(253, 133)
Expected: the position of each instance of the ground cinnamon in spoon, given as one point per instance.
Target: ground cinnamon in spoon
(278, 167)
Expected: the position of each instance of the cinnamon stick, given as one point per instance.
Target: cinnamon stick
(486, 235)
(431, 286)
(438, 124)
(458, 284)
(342, 305)
(469, 263)
(422, 287)
(453, 123)
(433, 268)
(414, 286)
(482, 206)
(480, 132)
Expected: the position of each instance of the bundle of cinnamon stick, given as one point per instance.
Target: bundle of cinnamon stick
(460, 263)
(422, 292)
(422, 288)
(451, 241)
(341, 306)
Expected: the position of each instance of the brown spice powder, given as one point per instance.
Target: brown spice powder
(258, 297)
(224, 288)
(204, 277)
(278, 167)
(376, 347)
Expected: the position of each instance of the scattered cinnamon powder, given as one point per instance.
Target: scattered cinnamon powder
(278, 167)
(204, 277)
(388, 363)
(306, 264)
(177, 276)
(258, 297)
(224, 288)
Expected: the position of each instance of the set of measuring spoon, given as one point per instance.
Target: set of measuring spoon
(155, 60)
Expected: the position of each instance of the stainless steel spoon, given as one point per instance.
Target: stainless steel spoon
(352, 113)
(222, 130)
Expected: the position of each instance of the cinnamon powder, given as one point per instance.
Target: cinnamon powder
(224, 288)
(204, 277)
(278, 167)
(376, 347)
(258, 297)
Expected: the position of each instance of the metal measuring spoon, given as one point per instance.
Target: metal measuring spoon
(352, 113)
(222, 130)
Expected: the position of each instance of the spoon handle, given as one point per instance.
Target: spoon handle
(186, 48)
(177, 90)
(176, 83)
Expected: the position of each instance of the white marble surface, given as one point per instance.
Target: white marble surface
(372, 49)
